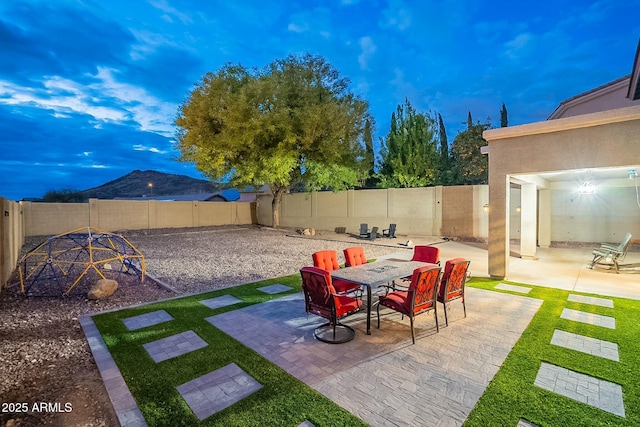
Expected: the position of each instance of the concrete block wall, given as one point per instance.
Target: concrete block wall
(428, 211)
(23, 219)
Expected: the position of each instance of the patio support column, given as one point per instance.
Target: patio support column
(544, 218)
(498, 224)
(528, 220)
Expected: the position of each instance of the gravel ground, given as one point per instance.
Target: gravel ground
(44, 356)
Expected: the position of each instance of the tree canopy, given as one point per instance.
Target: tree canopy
(409, 153)
(471, 166)
(294, 121)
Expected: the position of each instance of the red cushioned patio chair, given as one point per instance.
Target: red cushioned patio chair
(354, 256)
(419, 298)
(328, 261)
(321, 299)
(452, 283)
(430, 254)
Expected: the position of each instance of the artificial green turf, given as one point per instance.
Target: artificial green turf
(511, 395)
(283, 400)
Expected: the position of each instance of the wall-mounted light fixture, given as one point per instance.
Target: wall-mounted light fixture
(485, 208)
(518, 209)
(633, 174)
(586, 188)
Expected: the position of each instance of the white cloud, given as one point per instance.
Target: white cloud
(368, 49)
(170, 12)
(397, 16)
(518, 46)
(298, 28)
(140, 147)
(105, 99)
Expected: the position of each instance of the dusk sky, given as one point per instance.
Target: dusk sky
(89, 90)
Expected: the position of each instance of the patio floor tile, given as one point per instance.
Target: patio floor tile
(222, 301)
(174, 346)
(147, 319)
(590, 318)
(513, 288)
(217, 390)
(583, 388)
(593, 346)
(372, 373)
(275, 289)
(603, 302)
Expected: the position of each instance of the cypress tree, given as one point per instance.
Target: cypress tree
(504, 121)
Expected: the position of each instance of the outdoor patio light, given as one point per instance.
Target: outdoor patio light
(485, 208)
(586, 188)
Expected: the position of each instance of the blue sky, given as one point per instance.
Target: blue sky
(89, 90)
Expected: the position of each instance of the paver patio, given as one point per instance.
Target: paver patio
(382, 377)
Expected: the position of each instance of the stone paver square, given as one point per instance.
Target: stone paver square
(513, 288)
(217, 390)
(222, 301)
(174, 346)
(602, 302)
(590, 318)
(593, 346)
(599, 393)
(275, 289)
(147, 319)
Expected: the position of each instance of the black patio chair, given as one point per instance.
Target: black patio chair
(364, 230)
(373, 234)
(390, 232)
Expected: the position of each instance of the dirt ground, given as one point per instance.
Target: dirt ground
(48, 376)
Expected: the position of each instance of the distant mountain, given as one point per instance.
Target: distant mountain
(149, 183)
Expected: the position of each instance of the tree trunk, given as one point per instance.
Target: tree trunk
(275, 207)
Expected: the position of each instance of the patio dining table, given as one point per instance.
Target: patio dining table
(373, 275)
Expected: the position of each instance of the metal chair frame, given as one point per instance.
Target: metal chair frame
(421, 295)
(322, 300)
(453, 283)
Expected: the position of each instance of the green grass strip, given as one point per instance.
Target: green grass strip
(283, 400)
(512, 395)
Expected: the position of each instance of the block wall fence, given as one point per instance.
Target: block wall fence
(456, 211)
(23, 219)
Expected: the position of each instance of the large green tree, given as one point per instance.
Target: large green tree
(470, 166)
(409, 153)
(295, 121)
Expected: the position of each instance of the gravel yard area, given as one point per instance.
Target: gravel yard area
(44, 356)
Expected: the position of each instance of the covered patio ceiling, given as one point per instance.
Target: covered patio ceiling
(620, 176)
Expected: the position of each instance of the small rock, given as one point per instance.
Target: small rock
(11, 423)
(102, 289)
